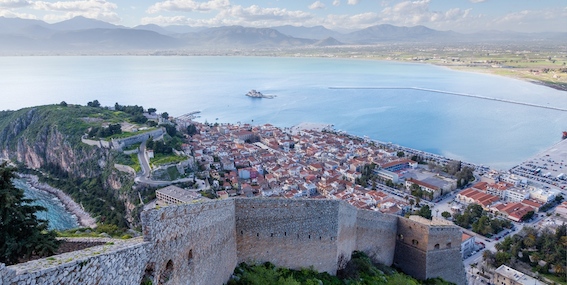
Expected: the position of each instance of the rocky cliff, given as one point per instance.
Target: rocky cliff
(47, 139)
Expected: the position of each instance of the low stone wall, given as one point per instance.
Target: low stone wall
(125, 168)
(99, 143)
(125, 142)
(117, 263)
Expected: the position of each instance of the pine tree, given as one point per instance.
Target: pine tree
(22, 234)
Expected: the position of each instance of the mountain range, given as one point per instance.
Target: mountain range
(84, 34)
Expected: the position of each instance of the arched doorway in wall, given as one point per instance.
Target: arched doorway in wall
(167, 273)
(148, 277)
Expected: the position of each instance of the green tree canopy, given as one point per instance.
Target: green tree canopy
(425, 212)
(21, 232)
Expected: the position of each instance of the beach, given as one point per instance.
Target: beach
(71, 206)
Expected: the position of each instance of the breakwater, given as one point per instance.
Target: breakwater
(450, 93)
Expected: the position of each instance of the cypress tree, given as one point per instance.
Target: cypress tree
(22, 234)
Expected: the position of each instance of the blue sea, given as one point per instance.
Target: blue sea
(485, 132)
(58, 217)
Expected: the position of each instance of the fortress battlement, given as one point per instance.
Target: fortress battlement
(202, 244)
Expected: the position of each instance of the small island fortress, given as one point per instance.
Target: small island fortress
(257, 94)
(202, 243)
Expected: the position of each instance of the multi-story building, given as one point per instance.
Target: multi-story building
(543, 195)
(175, 195)
(505, 275)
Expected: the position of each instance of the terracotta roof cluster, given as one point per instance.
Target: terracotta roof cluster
(478, 197)
(306, 163)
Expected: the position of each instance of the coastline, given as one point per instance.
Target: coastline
(493, 71)
(83, 218)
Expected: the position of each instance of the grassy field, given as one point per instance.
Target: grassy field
(161, 159)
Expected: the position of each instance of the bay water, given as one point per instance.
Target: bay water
(496, 134)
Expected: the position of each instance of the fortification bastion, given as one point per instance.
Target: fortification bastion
(202, 243)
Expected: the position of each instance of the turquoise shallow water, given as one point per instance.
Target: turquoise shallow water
(486, 132)
(58, 217)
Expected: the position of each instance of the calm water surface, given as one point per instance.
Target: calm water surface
(58, 217)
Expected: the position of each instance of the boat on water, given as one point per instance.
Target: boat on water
(257, 94)
(564, 135)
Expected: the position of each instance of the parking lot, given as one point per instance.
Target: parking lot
(548, 167)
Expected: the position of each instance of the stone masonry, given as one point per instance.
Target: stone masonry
(202, 243)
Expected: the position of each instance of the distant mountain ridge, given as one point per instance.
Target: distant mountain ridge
(80, 33)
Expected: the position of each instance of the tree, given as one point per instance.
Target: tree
(446, 214)
(63, 104)
(425, 212)
(528, 216)
(151, 110)
(94, 103)
(165, 115)
(191, 130)
(21, 232)
(170, 130)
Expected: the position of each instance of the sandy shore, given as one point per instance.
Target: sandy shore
(73, 207)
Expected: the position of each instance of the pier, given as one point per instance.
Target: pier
(452, 93)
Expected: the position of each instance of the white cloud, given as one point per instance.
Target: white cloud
(166, 21)
(257, 13)
(12, 14)
(188, 6)
(14, 3)
(336, 2)
(353, 2)
(528, 20)
(106, 17)
(317, 5)
(75, 6)
(413, 13)
(95, 9)
(253, 16)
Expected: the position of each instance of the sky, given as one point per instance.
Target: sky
(341, 15)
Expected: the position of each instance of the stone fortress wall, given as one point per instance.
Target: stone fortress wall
(203, 243)
(125, 142)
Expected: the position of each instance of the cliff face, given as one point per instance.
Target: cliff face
(31, 140)
(48, 139)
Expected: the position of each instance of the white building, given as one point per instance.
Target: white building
(175, 195)
(388, 175)
(505, 275)
(543, 195)
(467, 244)
(515, 194)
